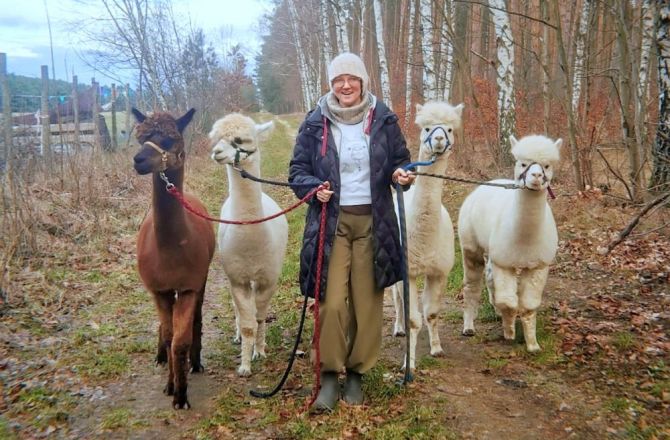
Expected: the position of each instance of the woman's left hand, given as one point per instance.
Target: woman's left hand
(403, 177)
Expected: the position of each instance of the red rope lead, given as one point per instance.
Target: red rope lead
(179, 196)
(317, 286)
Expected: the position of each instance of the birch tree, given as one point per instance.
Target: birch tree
(447, 50)
(342, 16)
(429, 79)
(505, 78)
(409, 18)
(383, 63)
(647, 39)
(303, 68)
(660, 177)
(578, 73)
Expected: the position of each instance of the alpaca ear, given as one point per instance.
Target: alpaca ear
(513, 140)
(260, 128)
(138, 115)
(459, 109)
(558, 144)
(418, 108)
(184, 120)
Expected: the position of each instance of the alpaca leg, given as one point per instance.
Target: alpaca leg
(184, 313)
(196, 347)
(399, 327)
(164, 305)
(246, 307)
(530, 297)
(473, 265)
(263, 296)
(415, 323)
(238, 334)
(431, 298)
(505, 298)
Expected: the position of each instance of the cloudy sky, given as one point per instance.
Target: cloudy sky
(24, 33)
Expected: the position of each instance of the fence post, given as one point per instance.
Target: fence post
(75, 111)
(6, 111)
(94, 112)
(114, 143)
(44, 116)
(127, 115)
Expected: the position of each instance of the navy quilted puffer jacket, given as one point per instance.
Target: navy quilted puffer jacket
(388, 152)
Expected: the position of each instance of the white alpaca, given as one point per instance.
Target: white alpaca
(252, 254)
(513, 235)
(430, 233)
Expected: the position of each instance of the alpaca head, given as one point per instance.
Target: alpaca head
(235, 139)
(160, 136)
(437, 120)
(536, 157)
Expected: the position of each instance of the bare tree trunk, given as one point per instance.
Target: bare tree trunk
(660, 176)
(647, 38)
(505, 79)
(447, 52)
(578, 73)
(383, 62)
(411, 61)
(429, 80)
(546, 98)
(342, 16)
(574, 151)
(626, 90)
(307, 99)
(75, 111)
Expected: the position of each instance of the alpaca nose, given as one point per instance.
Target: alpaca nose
(439, 138)
(536, 174)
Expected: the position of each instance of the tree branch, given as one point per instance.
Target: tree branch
(628, 229)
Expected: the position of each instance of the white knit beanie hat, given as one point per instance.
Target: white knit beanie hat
(348, 63)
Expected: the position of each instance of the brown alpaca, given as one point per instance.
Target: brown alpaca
(174, 250)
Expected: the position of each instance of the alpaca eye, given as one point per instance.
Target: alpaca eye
(523, 165)
(546, 167)
(450, 130)
(427, 129)
(238, 140)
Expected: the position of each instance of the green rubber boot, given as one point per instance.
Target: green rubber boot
(328, 394)
(353, 394)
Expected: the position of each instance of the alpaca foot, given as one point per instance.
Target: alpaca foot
(258, 355)
(509, 335)
(412, 366)
(196, 367)
(169, 389)
(179, 401)
(161, 358)
(237, 340)
(399, 333)
(468, 332)
(437, 352)
(243, 371)
(533, 348)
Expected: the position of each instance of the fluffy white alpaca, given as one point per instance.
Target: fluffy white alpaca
(252, 254)
(430, 233)
(513, 235)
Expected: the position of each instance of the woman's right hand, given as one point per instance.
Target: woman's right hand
(323, 195)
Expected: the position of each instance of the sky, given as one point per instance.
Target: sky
(24, 32)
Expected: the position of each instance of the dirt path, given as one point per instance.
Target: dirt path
(514, 401)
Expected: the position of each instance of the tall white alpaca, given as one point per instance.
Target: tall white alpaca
(252, 254)
(430, 233)
(513, 235)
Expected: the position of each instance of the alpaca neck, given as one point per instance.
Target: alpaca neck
(527, 214)
(245, 194)
(428, 190)
(168, 213)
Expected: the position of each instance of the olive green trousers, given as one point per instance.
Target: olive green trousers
(351, 314)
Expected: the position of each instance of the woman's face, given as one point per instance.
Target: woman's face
(347, 89)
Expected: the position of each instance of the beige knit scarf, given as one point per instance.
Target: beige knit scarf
(348, 115)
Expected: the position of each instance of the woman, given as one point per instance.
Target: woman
(364, 154)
